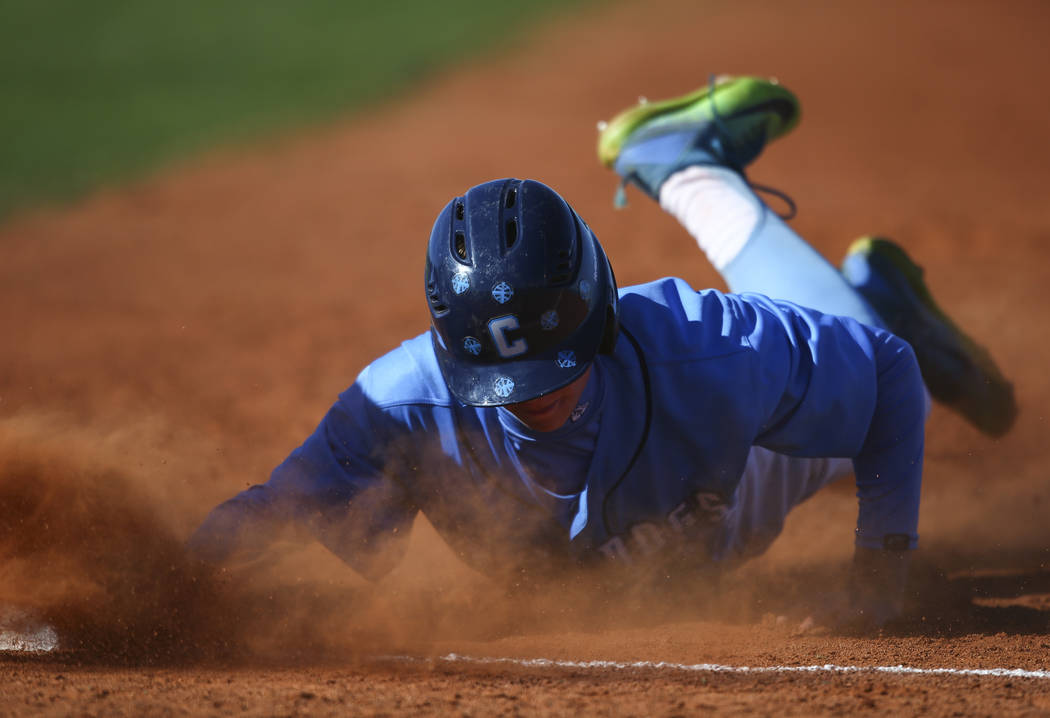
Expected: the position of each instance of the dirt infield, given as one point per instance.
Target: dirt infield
(167, 344)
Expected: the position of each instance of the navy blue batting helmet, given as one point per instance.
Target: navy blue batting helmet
(521, 294)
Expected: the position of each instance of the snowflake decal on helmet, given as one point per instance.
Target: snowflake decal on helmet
(502, 292)
(566, 359)
(585, 288)
(503, 387)
(549, 320)
(472, 345)
(460, 282)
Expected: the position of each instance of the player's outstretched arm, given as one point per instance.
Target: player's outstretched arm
(889, 478)
(242, 527)
(834, 387)
(332, 489)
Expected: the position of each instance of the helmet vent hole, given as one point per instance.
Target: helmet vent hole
(512, 196)
(459, 211)
(559, 279)
(461, 245)
(440, 309)
(512, 232)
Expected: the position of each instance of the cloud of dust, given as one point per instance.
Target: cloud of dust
(86, 547)
(91, 544)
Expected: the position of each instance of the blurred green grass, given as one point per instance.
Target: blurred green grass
(100, 92)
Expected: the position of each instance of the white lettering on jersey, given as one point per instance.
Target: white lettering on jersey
(615, 548)
(689, 526)
(498, 328)
(646, 538)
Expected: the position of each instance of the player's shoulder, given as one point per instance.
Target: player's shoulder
(671, 294)
(670, 316)
(406, 375)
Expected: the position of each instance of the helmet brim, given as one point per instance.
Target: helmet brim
(503, 383)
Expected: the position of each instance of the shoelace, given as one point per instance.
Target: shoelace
(620, 198)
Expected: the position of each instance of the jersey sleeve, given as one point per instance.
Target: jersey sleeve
(830, 386)
(343, 486)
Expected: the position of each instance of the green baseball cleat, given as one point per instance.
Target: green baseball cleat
(958, 372)
(726, 123)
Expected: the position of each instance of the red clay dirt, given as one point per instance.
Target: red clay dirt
(168, 343)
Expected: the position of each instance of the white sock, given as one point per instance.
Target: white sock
(716, 207)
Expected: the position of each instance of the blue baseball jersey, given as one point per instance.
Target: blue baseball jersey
(642, 470)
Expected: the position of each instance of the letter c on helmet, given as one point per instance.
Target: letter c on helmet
(498, 328)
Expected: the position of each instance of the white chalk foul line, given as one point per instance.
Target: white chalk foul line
(719, 668)
(42, 640)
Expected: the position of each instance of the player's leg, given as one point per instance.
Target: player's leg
(689, 153)
(752, 248)
(879, 285)
(957, 370)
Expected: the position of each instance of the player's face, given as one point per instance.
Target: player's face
(551, 411)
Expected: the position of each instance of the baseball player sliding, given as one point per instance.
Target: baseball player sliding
(551, 421)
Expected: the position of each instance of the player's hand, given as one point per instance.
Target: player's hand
(873, 599)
